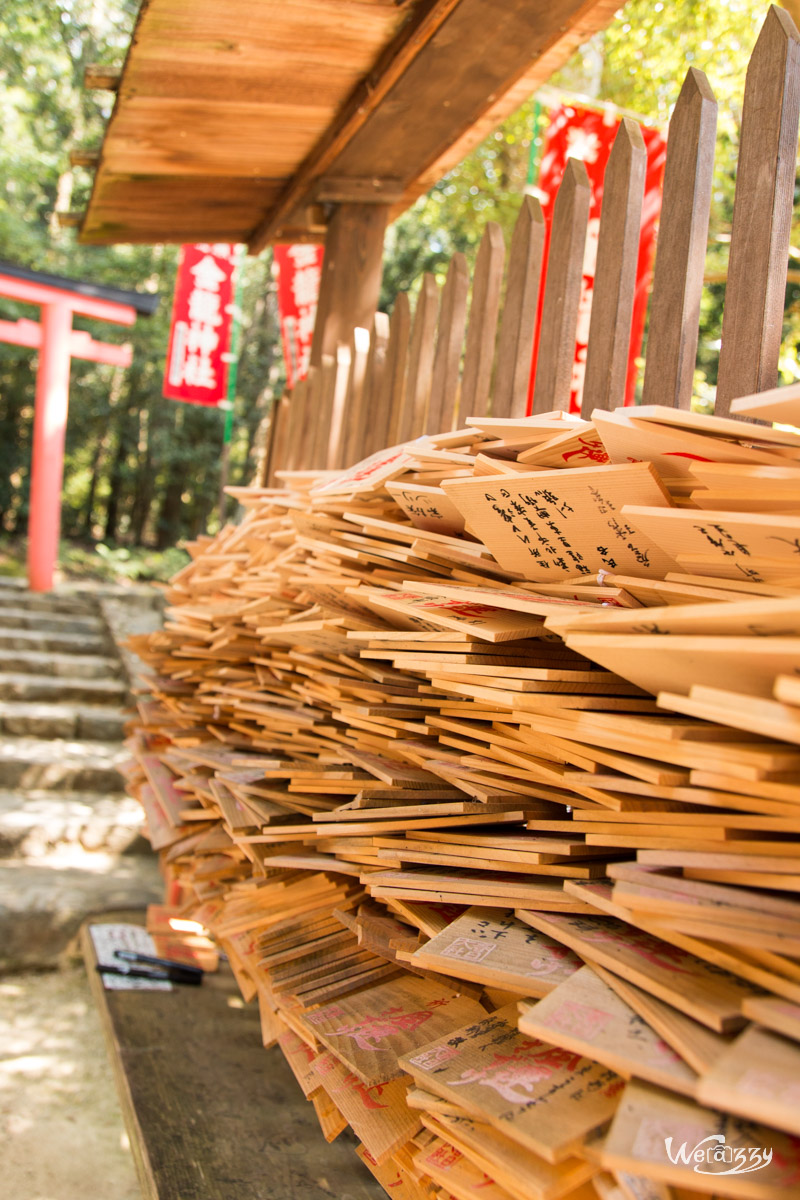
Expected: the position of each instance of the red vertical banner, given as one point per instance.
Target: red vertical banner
(299, 269)
(202, 318)
(587, 134)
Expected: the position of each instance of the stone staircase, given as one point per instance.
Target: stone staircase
(70, 840)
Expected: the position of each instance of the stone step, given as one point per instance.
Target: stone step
(52, 622)
(39, 823)
(61, 643)
(47, 602)
(55, 689)
(48, 663)
(101, 723)
(69, 765)
(43, 905)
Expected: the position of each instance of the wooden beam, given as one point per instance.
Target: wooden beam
(425, 20)
(84, 158)
(101, 77)
(351, 276)
(335, 189)
(70, 220)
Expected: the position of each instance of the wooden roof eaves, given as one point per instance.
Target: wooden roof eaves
(424, 21)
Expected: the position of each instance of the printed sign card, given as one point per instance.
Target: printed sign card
(554, 525)
(490, 946)
(544, 1097)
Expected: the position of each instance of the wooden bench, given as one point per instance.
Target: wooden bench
(211, 1114)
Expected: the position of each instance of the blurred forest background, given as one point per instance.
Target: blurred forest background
(142, 472)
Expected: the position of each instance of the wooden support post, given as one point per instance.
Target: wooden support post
(682, 238)
(49, 431)
(562, 290)
(351, 276)
(615, 275)
(517, 328)
(762, 215)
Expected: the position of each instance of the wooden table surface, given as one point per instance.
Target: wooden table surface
(210, 1113)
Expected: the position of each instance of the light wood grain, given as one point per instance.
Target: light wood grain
(483, 313)
(515, 344)
(762, 212)
(449, 342)
(681, 255)
(615, 273)
(562, 290)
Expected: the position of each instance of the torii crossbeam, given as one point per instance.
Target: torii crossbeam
(58, 343)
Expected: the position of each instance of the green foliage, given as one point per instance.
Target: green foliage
(638, 63)
(141, 470)
(138, 468)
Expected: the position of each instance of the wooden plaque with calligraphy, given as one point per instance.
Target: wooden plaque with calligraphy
(554, 525)
(370, 1029)
(699, 989)
(379, 1115)
(671, 1138)
(758, 1077)
(525, 1175)
(546, 1098)
(585, 1015)
(494, 948)
(428, 508)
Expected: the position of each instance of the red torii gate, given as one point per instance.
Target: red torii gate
(58, 343)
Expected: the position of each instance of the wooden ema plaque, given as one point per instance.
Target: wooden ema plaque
(370, 1030)
(461, 1178)
(428, 508)
(525, 1175)
(554, 525)
(701, 990)
(671, 1139)
(379, 1115)
(494, 948)
(757, 1077)
(440, 609)
(546, 1098)
(585, 1015)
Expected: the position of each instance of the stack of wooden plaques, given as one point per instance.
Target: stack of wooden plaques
(481, 759)
(481, 762)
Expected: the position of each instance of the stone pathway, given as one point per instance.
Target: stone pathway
(61, 1129)
(70, 846)
(69, 837)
